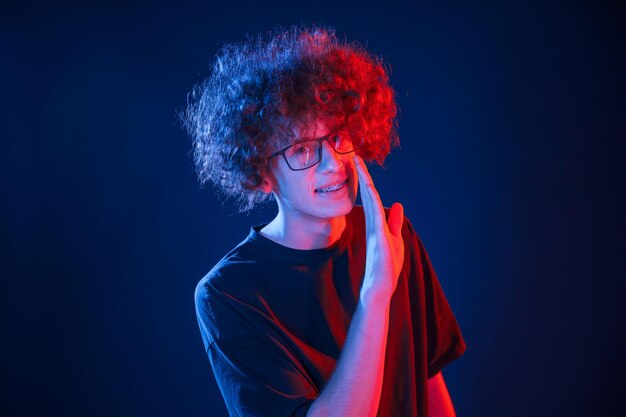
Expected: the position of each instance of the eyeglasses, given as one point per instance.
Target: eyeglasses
(305, 154)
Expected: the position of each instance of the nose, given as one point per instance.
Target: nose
(331, 160)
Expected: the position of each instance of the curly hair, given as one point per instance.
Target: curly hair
(260, 88)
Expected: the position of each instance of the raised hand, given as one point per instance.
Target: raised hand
(385, 247)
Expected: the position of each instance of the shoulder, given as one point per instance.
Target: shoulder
(228, 273)
(227, 270)
(204, 287)
(221, 297)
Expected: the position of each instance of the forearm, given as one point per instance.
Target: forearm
(354, 388)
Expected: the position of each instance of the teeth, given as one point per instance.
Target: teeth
(331, 188)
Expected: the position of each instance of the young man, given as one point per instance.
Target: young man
(330, 309)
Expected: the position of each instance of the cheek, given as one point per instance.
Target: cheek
(302, 184)
(351, 170)
(353, 177)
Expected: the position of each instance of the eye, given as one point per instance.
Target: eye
(303, 148)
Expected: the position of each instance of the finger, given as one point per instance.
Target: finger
(396, 218)
(369, 194)
(373, 207)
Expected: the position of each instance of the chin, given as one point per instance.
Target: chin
(338, 209)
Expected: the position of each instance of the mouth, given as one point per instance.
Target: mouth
(332, 188)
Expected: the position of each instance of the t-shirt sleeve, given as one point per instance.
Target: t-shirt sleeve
(445, 342)
(254, 371)
(254, 381)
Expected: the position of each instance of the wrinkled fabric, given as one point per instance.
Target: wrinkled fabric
(274, 320)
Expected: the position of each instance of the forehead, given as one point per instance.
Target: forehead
(311, 129)
(305, 129)
(308, 128)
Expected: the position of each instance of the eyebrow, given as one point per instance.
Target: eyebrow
(305, 139)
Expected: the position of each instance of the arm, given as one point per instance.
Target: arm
(355, 387)
(439, 402)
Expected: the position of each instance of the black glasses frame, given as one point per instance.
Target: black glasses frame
(319, 151)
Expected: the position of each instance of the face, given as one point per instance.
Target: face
(295, 190)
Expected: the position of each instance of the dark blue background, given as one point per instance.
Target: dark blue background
(511, 169)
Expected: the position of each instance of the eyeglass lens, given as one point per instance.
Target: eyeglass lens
(305, 154)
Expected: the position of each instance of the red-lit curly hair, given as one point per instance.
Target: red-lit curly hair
(259, 89)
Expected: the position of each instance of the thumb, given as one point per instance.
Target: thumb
(396, 218)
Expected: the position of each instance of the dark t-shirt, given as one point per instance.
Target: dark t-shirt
(274, 320)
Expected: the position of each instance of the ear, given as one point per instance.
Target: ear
(267, 184)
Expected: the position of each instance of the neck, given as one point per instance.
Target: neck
(304, 232)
